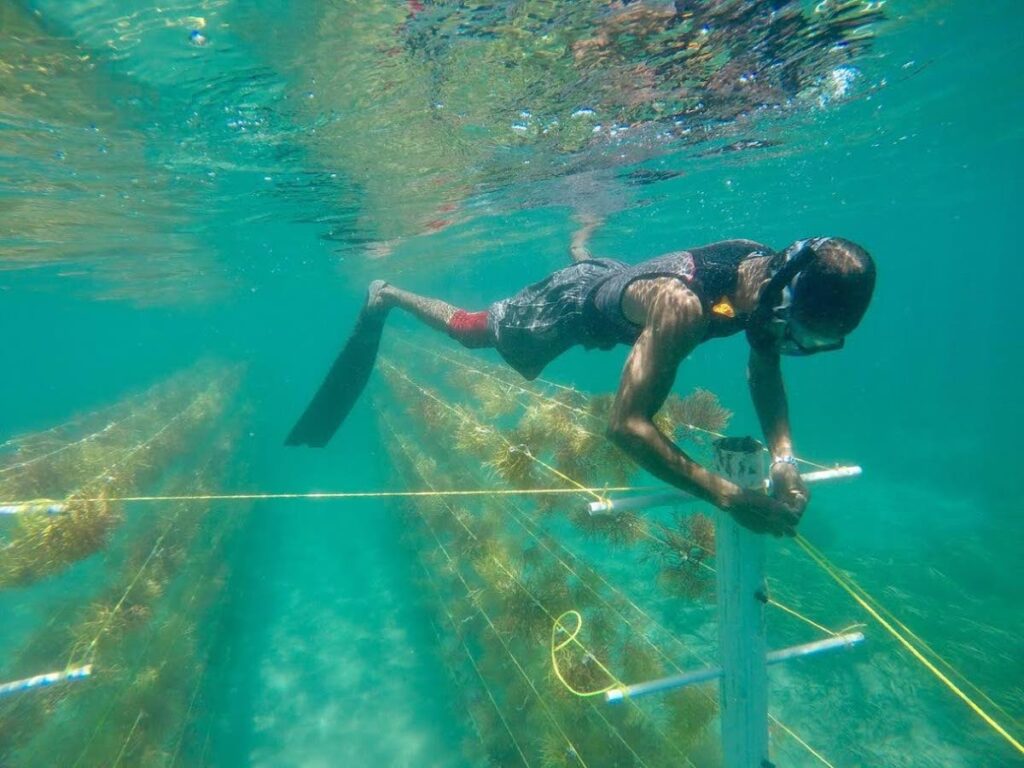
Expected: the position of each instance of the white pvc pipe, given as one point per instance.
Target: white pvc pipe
(41, 681)
(713, 673)
(836, 473)
(640, 502)
(48, 507)
(633, 503)
(848, 640)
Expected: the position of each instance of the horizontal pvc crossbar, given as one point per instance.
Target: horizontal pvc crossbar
(634, 503)
(713, 673)
(49, 507)
(42, 681)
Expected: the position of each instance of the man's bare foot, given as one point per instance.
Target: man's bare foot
(381, 249)
(579, 248)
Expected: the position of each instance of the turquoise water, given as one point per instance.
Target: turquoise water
(167, 199)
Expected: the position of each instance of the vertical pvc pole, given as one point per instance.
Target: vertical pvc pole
(739, 558)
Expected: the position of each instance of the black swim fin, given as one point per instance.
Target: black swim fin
(343, 384)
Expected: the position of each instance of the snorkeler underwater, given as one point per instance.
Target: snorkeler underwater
(600, 384)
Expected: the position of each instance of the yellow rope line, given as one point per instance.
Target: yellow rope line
(124, 746)
(615, 590)
(795, 614)
(602, 599)
(846, 585)
(561, 475)
(504, 644)
(49, 454)
(455, 569)
(789, 731)
(149, 642)
(89, 653)
(519, 516)
(524, 449)
(892, 618)
(544, 608)
(559, 626)
(476, 669)
(923, 644)
(90, 649)
(327, 495)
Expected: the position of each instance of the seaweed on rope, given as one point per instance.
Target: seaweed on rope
(513, 596)
(519, 462)
(144, 638)
(513, 606)
(141, 626)
(684, 546)
(125, 456)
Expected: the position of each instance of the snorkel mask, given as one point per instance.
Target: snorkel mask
(788, 335)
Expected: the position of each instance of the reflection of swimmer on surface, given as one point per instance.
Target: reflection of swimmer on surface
(593, 197)
(443, 218)
(800, 301)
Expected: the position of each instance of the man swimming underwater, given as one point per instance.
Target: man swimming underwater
(801, 301)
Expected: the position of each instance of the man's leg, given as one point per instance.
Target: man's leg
(579, 248)
(467, 328)
(347, 376)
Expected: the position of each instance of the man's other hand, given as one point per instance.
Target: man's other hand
(789, 488)
(762, 513)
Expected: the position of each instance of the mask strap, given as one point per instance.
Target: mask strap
(796, 261)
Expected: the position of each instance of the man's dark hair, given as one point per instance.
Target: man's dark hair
(834, 290)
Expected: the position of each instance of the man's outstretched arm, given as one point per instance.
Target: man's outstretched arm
(674, 326)
(768, 393)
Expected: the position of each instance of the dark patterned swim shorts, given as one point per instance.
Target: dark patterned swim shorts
(545, 319)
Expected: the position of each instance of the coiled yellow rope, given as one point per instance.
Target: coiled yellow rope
(572, 635)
